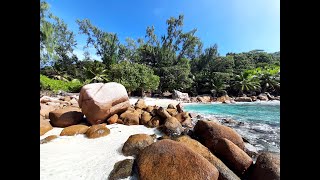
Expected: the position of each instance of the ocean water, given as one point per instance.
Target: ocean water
(260, 121)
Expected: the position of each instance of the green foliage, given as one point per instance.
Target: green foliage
(106, 44)
(134, 76)
(56, 85)
(173, 60)
(95, 72)
(56, 41)
(245, 83)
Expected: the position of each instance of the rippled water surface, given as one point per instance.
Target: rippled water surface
(260, 120)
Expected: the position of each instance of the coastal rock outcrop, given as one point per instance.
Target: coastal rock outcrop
(263, 97)
(180, 96)
(235, 158)
(130, 117)
(207, 131)
(266, 167)
(145, 118)
(65, 117)
(172, 127)
(99, 101)
(204, 99)
(135, 143)
(224, 172)
(224, 98)
(167, 159)
(141, 104)
(243, 99)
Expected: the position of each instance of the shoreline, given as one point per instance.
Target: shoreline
(102, 153)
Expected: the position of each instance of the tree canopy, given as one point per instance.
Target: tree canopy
(175, 60)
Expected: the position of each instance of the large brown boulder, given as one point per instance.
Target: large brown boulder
(266, 167)
(224, 172)
(74, 130)
(45, 126)
(96, 131)
(207, 131)
(136, 143)
(235, 158)
(65, 117)
(140, 104)
(172, 127)
(167, 159)
(99, 101)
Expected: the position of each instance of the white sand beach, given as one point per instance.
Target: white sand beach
(77, 157)
(155, 101)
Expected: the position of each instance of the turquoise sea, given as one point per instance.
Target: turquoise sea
(260, 120)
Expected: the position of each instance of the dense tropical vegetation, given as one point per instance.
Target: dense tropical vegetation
(174, 61)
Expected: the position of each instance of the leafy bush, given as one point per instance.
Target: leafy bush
(56, 85)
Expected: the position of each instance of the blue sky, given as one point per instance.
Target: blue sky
(235, 25)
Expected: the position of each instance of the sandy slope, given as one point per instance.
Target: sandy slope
(77, 157)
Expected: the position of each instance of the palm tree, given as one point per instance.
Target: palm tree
(96, 73)
(220, 87)
(269, 80)
(245, 82)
